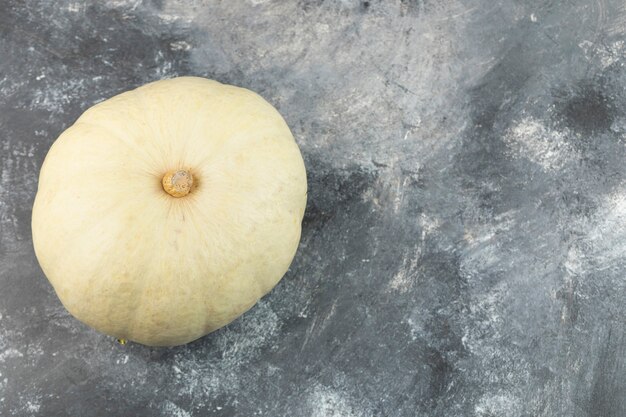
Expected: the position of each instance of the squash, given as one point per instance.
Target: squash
(166, 212)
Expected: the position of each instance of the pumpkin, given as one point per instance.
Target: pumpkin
(166, 212)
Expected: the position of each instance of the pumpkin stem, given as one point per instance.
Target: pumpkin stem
(177, 183)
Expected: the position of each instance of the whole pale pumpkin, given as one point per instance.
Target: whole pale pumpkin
(167, 211)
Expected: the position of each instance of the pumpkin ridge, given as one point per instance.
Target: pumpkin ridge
(132, 146)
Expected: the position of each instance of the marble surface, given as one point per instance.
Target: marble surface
(463, 247)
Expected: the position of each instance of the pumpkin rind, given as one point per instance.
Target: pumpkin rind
(137, 263)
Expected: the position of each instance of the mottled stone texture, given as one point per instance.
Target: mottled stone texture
(463, 247)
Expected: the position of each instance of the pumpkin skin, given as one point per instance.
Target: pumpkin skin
(136, 262)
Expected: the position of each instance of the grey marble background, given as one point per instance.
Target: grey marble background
(463, 247)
